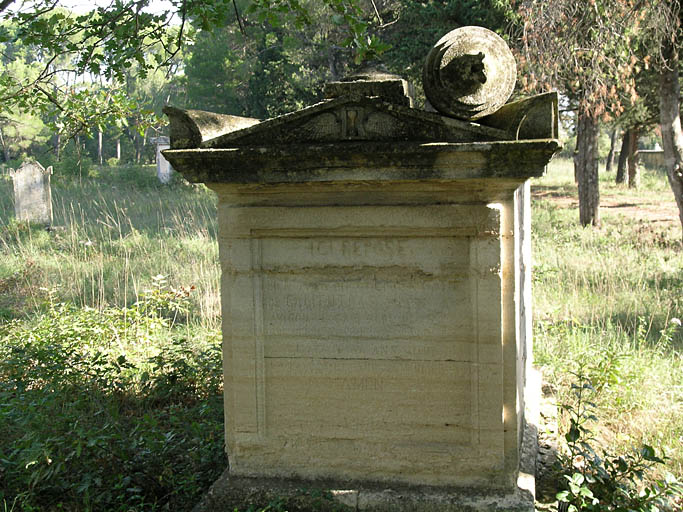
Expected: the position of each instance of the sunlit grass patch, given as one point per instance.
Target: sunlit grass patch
(611, 299)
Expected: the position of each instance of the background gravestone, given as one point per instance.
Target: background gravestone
(164, 169)
(32, 195)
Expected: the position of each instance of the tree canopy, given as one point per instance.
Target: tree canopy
(113, 67)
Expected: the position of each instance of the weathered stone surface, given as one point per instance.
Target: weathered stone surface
(373, 82)
(191, 128)
(531, 118)
(230, 492)
(32, 193)
(470, 73)
(352, 118)
(653, 158)
(356, 355)
(367, 162)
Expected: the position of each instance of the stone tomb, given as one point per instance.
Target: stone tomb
(32, 194)
(375, 295)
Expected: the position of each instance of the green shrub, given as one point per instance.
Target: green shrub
(119, 409)
(608, 482)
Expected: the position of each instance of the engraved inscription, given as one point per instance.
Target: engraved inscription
(357, 247)
(445, 256)
(322, 305)
(365, 287)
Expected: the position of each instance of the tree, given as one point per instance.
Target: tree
(253, 68)
(109, 40)
(666, 27)
(19, 130)
(582, 48)
(612, 145)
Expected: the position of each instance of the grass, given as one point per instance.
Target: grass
(111, 380)
(608, 304)
(110, 392)
(110, 237)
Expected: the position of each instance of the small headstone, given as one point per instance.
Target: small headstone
(164, 169)
(32, 196)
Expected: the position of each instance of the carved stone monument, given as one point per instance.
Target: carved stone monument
(32, 194)
(376, 292)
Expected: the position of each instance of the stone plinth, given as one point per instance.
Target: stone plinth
(32, 193)
(375, 294)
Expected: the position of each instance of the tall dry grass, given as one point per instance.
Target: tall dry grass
(608, 302)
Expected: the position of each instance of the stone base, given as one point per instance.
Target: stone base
(230, 493)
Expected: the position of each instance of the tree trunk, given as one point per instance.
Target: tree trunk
(138, 147)
(610, 155)
(99, 146)
(58, 145)
(5, 148)
(670, 119)
(118, 149)
(633, 170)
(623, 157)
(586, 168)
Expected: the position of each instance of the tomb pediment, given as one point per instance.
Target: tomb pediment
(324, 142)
(353, 119)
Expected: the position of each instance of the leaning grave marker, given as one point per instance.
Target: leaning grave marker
(32, 193)
(376, 284)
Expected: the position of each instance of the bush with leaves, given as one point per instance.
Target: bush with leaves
(608, 482)
(119, 409)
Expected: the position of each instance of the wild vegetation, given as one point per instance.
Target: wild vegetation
(109, 322)
(110, 380)
(615, 62)
(607, 314)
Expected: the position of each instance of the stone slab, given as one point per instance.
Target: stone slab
(381, 162)
(32, 193)
(230, 492)
(164, 169)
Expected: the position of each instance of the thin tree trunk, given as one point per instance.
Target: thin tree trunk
(99, 146)
(610, 155)
(670, 119)
(586, 168)
(622, 176)
(5, 148)
(58, 145)
(118, 149)
(138, 148)
(633, 169)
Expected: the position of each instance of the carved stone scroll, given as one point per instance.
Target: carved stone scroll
(470, 73)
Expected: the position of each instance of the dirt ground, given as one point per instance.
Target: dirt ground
(644, 210)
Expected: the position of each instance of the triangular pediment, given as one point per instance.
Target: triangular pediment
(356, 119)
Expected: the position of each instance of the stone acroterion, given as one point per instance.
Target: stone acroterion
(470, 73)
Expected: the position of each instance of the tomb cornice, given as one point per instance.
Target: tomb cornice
(366, 161)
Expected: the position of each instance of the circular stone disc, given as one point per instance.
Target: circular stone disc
(469, 73)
